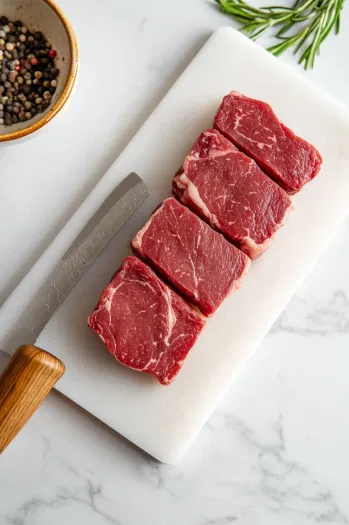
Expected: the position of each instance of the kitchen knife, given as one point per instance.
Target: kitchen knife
(18, 398)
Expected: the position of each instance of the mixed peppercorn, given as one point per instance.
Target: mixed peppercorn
(28, 74)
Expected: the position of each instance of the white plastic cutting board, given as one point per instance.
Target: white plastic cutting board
(165, 420)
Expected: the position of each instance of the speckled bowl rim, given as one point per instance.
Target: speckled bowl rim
(72, 75)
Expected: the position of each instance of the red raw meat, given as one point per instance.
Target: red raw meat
(198, 261)
(254, 128)
(227, 189)
(143, 323)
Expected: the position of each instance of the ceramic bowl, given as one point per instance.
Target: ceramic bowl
(45, 16)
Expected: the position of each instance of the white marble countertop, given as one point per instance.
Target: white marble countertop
(276, 451)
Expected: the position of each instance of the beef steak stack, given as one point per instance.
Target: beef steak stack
(235, 178)
(255, 129)
(143, 323)
(228, 190)
(197, 261)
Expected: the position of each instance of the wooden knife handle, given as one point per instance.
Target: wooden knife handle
(24, 384)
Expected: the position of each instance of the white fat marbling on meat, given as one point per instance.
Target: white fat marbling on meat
(198, 261)
(260, 145)
(146, 340)
(171, 316)
(106, 305)
(248, 245)
(142, 283)
(228, 189)
(238, 282)
(137, 241)
(253, 126)
(184, 183)
(109, 300)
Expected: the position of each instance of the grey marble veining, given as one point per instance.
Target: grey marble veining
(322, 317)
(86, 494)
(240, 472)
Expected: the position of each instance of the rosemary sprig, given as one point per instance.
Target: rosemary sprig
(303, 27)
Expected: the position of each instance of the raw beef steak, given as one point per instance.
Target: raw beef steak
(198, 261)
(143, 323)
(227, 188)
(254, 128)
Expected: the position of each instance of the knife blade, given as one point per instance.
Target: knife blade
(95, 236)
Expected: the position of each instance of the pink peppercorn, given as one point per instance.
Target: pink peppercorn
(34, 61)
(52, 53)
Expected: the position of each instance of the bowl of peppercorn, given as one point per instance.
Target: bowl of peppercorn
(38, 65)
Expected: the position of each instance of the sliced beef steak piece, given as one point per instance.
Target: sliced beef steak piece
(253, 126)
(227, 189)
(198, 261)
(143, 323)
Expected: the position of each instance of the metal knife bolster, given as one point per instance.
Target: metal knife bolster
(91, 241)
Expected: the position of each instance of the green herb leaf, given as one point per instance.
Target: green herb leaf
(303, 27)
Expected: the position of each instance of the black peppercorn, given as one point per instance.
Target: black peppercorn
(27, 72)
(25, 89)
(38, 35)
(54, 71)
